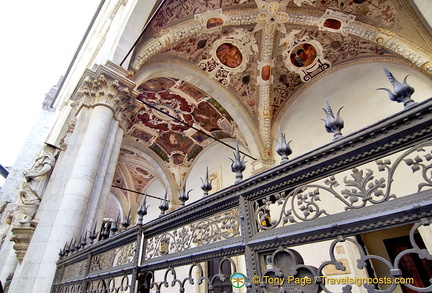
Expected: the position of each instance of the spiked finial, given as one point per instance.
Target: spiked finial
(238, 165)
(333, 124)
(77, 244)
(283, 148)
(61, 253)
(105, 231)
(72, 245)
(183, 195)
(402, 91)
(126, 222)
(206, 185)
(115, 225)
(93, 234)
(67, 248)
(84, 240)
(142, 210)
(164, 204)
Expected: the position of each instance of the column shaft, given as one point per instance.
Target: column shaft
(38, 270)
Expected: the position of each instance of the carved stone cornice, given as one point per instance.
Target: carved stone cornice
(106, 87)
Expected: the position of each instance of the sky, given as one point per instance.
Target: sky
(38, 41)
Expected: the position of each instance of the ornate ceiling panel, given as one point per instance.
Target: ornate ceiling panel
(174, 11)
(131, 173)
(228, 56)
(177, 120)
(263, 53)
(305, 51)
(381, 11)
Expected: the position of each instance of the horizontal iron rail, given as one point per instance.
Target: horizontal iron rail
(385, 137)
(396, 212)
(108, 274)
(124, 237)
(400, 131)
(229, 247)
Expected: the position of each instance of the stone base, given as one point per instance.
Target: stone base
(21, 237)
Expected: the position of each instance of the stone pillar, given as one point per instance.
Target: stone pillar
(103, 186)
(83, 177)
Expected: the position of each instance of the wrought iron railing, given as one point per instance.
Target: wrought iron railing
(106, 266)
(375, 179)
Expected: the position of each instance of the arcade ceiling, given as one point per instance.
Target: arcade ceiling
(262, 55)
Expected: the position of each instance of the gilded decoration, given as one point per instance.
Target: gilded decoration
(287, 266)
(215, 228)
(306, 58)
(113, 257)
(176, 10)
(271, 16)
(265, 53)
(370, 184)
(125, 254)
(335, 47)
(229, 55)
(74, 270)
(211, 20)
(335, 21)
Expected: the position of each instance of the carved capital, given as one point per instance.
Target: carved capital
(108, 88)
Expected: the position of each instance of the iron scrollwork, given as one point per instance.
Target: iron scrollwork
(74, 270)
(218, 227)
(125, 254)
(171, 279)
(361, 188)
(112, 284)
(394, 268)
(286, 271)
(113, 257)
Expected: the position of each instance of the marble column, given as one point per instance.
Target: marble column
(82, 176)
(95, 212)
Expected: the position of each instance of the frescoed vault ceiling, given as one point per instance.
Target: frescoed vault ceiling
(178, 120)
(263, 53)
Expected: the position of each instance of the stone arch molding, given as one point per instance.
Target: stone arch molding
(385, 38)
(246, 126)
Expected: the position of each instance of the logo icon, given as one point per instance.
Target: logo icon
(238, 280)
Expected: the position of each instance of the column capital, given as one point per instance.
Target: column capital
(107, 86)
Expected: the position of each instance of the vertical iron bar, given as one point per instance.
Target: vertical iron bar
(247, 228)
